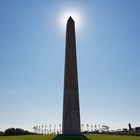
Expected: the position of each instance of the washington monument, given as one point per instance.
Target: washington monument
(71, 109)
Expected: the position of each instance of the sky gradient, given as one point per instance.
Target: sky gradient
(32, 47)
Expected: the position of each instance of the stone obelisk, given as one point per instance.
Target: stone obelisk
(71, 110)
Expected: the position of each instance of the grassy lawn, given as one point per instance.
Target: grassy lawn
(111, 137)
(60, 137)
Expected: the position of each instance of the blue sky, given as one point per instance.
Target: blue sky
(32, 46)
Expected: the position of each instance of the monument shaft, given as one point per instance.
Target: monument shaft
(71, 110)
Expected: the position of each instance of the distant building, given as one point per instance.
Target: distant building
(137, 128)
(118, 130)
(124, 129)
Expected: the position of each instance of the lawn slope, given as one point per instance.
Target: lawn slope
(62, 137)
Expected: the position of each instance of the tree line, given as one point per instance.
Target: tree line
(15, 131)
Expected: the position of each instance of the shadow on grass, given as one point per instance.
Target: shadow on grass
(70, 137)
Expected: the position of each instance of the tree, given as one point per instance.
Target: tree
(16, 131)
(129, 125)
(1, 133)
(10, 132)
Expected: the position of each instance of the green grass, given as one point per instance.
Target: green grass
(60, 137)
(112, 137)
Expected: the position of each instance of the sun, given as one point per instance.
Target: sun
(74, 14)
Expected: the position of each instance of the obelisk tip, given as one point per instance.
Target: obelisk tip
(70, 19)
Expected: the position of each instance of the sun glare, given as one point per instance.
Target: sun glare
(75, 15)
